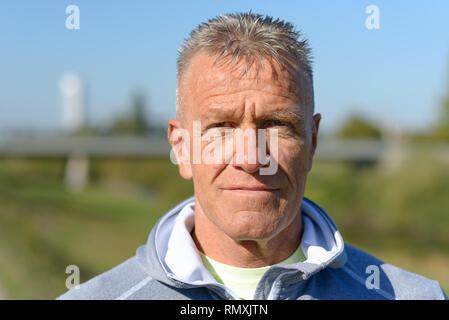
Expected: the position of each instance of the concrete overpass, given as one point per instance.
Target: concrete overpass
(132, 146)
(78, 150)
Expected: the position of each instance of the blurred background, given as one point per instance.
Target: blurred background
(84, 162)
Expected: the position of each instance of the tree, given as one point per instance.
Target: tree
(357, 127)
(135, 122)
(441, 131)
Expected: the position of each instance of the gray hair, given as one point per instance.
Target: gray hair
(252, 36)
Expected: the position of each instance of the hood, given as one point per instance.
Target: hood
(171, 256)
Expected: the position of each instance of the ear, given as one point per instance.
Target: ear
(315, 127)
(179, 140)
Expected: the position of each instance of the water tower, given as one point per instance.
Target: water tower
(74, 119)
(73, 102)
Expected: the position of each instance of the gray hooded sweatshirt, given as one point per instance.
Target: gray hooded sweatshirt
(169, 267)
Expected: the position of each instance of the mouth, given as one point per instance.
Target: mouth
(251, 190)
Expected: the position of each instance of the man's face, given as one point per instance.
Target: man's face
(235, 197)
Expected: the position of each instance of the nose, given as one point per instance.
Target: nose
(246, 151)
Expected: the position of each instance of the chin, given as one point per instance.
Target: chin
(249, 228)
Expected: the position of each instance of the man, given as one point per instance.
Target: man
(248, 233)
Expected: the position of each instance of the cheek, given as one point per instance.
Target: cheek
(293, 152)
(293, 160)
(204, 176)
(208, 159)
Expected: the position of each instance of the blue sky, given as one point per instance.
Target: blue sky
(397, 74)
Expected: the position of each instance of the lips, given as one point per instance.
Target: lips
(251, 188)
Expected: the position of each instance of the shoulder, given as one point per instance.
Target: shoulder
(388, 280)
(112, 284)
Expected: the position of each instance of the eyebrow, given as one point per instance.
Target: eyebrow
(284, 115)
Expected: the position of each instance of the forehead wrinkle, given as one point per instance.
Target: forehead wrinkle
(225, 109)
(204, 100)
(217, 112)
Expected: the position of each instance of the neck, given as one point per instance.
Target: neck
(254, 253)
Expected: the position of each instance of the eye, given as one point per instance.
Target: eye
(221, 125)
(275, 123)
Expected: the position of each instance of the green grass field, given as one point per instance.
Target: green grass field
(401, 216)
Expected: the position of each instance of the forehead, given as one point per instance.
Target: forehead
(206, 80)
